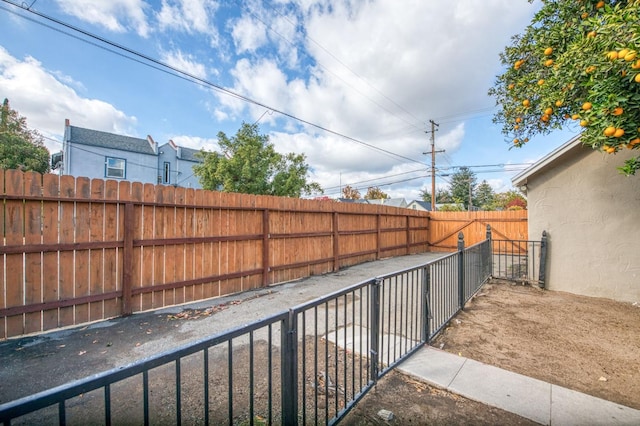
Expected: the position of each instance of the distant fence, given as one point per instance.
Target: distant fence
(308, 365)
(444, 227)
(77, 250)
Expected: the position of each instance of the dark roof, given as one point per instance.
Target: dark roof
(189, 154)
(109, 140)
(425, 204)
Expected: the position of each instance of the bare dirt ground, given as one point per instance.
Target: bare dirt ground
(587, 344)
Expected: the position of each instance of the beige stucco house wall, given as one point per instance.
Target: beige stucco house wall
(592, 215)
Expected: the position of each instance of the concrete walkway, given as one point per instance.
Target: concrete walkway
(530, 398)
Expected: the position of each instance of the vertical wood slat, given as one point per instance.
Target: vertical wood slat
(33, 265)
(96, 256)
(15, 285)
(127, 257)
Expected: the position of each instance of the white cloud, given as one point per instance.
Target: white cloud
(248, 35)
(184, 62)
(46, 101)
(114, 15)
(190, 16)
(381, 72)
(196, 142)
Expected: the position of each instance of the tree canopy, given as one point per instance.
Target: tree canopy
(248, 163)
(463, 186)
(20, 147)
(375, 193)
(577, 62)
(350, 193)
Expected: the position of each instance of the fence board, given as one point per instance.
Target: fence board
(96, 256)
(14, 289)
(50, 259)
(112, 307)
(33, 261)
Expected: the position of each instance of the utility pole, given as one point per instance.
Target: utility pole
(433, 163)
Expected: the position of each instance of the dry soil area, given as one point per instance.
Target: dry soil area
(591, 345)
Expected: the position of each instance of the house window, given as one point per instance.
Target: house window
(166, 172)
(115, 167)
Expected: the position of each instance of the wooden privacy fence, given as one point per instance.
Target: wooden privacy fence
(444, 227)
(76, 250)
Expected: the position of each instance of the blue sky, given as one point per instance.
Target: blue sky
(374, 71)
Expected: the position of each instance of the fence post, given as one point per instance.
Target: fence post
(375, 327)
(543, 260)
(336, 243)
(461, 270)
(489, 255)
(289, 368)
(127, 256)
(265, 247)
(426, 284)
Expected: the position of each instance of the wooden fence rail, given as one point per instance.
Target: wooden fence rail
(76, 250)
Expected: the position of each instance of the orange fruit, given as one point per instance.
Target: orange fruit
(590, 69)
(511, 86)
(515, 141)
(584, 123)
(636, 65)
(548, 111)
(518, 119)
(540, 82)
(548, 51)
(609, 131)
(617, 111)
(630, 56)
(618, 133)
(548, 62)
(516, 127)
(526, 102)
(637, 78)
(586, 106)
(622, 53)
(584, 15)
(612, 55)
(591, 34)
(544, 118)
(558, 103)
(600, 4)
(634, 142)
(576, 116)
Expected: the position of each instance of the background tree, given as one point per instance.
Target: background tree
(350, 193)
(249, 164)
(375, 193)
(463, 185)
(485, 196)
(577, 60)
(510, 200)
(20, 147)
(443, 196)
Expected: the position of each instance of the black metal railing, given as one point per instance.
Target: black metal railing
(308, 365)
(520, 260)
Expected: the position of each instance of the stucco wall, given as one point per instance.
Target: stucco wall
(592, 215)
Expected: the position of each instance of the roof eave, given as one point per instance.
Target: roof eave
(522, 177)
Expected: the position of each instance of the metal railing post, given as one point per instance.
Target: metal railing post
(426, 333)
(289, 368)
(375, 328)
(461, 270)
(489, 255)
(543, 260)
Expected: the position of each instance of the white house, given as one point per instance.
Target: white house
(96, 154)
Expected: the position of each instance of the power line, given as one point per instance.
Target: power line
(193, 78)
